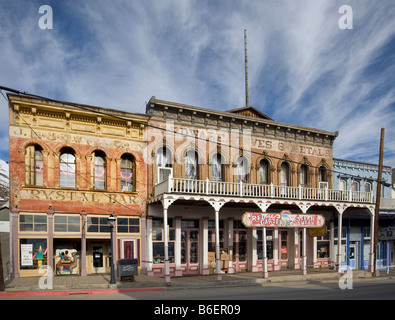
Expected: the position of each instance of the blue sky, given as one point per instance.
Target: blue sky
(303, 69)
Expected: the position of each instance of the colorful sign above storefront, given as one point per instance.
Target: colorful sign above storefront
(284, 219)
(317, 232)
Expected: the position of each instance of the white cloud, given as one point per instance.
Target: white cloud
(302, 68)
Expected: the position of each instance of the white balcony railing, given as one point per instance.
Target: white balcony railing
(240, 189)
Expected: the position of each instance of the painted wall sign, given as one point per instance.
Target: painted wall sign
(80, 196)
(284, 219)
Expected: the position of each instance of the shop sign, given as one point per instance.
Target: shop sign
(284, 219)
(317, 232)
(386, 234)
(26, 255)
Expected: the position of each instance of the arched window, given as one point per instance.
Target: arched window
(164, 163)
(243, 169)
(264, 170)
(354, 186)
(191, 165)
(217, 167)
(304, 175)
(127, 173)
(285, 174)
(368, 187)
(322, 177)
(99, 176)
(67, 168)
(34, 166)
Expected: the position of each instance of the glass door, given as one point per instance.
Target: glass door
(283, 248)
(190, 250)
(240, 250)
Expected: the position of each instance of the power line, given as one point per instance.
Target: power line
(85, 108)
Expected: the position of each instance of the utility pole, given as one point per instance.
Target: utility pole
(378, 196)
(2, 286)
(246, 68)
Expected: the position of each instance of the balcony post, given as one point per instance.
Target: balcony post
(271, 190)
(170, 184)
(241, 188)
(207, 185)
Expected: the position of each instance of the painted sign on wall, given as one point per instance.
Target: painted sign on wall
(284, 219)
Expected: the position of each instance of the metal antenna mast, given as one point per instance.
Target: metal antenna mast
(246, 67)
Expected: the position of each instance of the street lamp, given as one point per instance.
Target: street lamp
(111, 221)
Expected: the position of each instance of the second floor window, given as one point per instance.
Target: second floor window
(34, 166)
(191, 165)
(127, 173)
(164, 163)
(99, 170)
(304, 175)
(218, 168)
(67, 169)
(242, 169)
(285, 171)
(264, 171)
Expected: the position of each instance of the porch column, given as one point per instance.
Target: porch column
(177, 249)
(217, 204)
(217, 253)
(339, 240)
(253, 244)
(304, 253)
(276, 266)
(84, 273)
(50, 240)
(229, 233)
(166, 236)
(149, 255)
(293, 238)
(204, 268)
(371, 254)
(332, 241)
(265, 273)
(15, 243)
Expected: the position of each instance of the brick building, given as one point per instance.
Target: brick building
(71, 166)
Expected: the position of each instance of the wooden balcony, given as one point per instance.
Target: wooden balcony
(232, 189)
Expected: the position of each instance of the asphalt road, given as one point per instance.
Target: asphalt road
(361, 290)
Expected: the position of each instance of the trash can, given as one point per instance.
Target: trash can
(127, 269)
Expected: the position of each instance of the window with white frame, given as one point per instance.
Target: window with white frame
(164, 163)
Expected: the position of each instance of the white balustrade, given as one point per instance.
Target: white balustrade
(240, 189)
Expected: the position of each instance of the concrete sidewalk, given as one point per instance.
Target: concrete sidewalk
(98, 284)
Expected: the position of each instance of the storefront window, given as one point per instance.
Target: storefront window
(67, 223)
(323, 245)
(98, 224)
(284, 245)
(128, 225)
(322, 249)
(32, 253)
(269, 244)
(158, 241)
(32, 223)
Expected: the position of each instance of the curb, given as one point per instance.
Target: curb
(72, 292)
